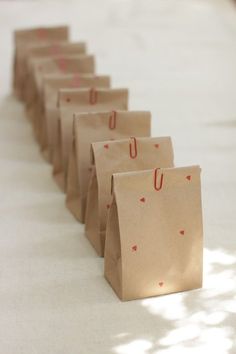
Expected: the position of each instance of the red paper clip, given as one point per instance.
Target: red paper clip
(133, 151)
(112, 120)
(93, 96)
(155, 180)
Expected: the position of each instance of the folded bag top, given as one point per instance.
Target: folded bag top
(72, 101)
(51, 85)
(91, 97)
(56, 48)
(53, 82)
(52, 50)
(24, 39)
(97, 126)
(154, 240)
(41, 34)
(39, 67)
(119, 156)
(76, 63)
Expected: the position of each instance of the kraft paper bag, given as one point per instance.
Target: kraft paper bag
(92, 127)
(51, 50)
(51, 84)
(118, 156)
(84, 64)
(154, 239)
(38, 67)
(23, 39)
(81, 101)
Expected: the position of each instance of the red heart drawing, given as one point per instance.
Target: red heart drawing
(134, 248)
(181, 232)
(108, 206)
(189, 177)
(142, 199)
(157, 146)
(106, 146)
(161, 283)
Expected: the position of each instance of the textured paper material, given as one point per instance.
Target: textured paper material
(154, 240)
(51, 84)
(51, 50)
(118, 156)
(77, 101)
(84, 64)
(92, 127)
(25, 38)
(38, 67)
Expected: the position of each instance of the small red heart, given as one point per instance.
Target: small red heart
(134, 248)
(157, 146)
(68, 99)
(108, 206)
(142, 199)
(181, 232)
(189, 177)
(106, 146)
(161, 283)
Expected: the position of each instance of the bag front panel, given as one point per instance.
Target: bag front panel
(98, 127)
(162, 247)
(50, 96)
(123, 156)
(78, 101)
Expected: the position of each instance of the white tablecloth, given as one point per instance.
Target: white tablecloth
(178, 57)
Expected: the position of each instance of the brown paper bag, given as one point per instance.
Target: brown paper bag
(51, 84)
(51, 50)
(92, 127)
(118, 156)
(40, 67)
(27, 37)
(154, 239)
(76, 101)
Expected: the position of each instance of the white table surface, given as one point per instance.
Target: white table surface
(178, 57)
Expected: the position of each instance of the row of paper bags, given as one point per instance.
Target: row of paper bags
(140, 212)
